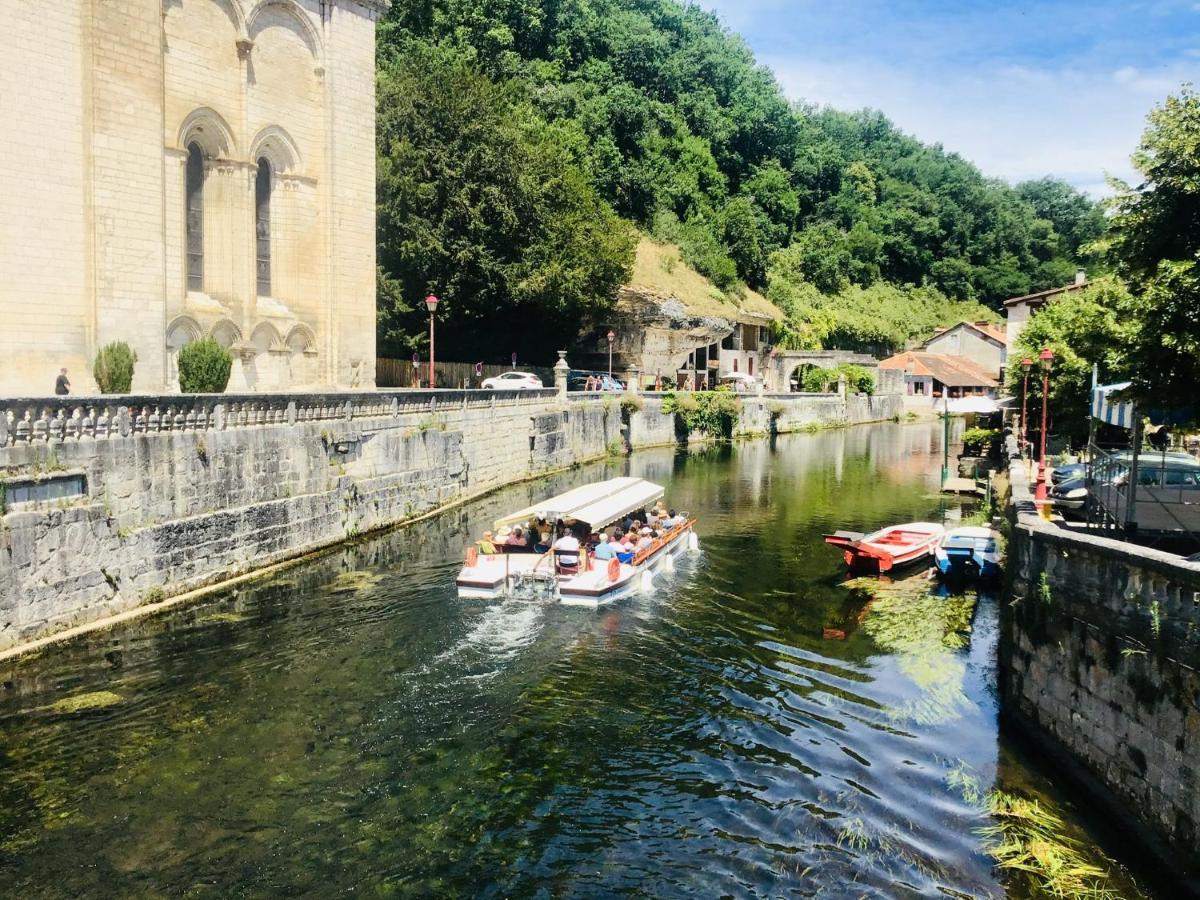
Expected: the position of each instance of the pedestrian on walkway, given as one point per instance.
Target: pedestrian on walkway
(62, 384)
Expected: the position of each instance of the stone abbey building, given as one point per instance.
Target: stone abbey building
(182, 168)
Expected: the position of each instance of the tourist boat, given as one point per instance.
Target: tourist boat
(888, 548)
(968, 552)
(596, 582)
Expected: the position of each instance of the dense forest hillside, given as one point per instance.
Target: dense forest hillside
(521, 139)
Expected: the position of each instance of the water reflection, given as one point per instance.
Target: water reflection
(352, 725)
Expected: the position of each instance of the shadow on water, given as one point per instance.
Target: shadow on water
(758, 724)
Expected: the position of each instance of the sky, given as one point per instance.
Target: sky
(1021, 89)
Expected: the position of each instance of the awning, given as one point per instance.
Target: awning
(598, 505)
(984, 406)
(1109, 410)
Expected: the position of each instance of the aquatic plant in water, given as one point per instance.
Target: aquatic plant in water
(84, 702)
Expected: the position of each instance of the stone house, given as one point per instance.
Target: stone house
(935, 375)
(185, 168)
(1020, 309)
(980, 343)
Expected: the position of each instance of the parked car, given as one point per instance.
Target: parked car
(1148, 457)
(577, 381)
(513, 381)
(1180, 472)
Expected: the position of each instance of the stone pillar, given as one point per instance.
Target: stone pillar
(561, 369)
(633, 380)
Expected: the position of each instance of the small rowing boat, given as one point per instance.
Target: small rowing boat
(585, 580)
(968, 552)
(889, 548)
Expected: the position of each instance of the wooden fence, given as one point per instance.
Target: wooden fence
(399, 373)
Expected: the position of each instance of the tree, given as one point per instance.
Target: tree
(490, 207)
(113, 368)
(1154, 242)
(1083, 329)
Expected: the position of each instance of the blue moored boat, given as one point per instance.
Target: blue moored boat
(968, 552)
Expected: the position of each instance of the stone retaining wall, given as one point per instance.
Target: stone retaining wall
(1100, 665)
(146, 497)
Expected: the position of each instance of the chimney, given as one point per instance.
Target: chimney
(1080, 276)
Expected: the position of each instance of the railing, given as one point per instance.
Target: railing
(35, 420)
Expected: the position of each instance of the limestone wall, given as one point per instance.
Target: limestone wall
(1100, 664)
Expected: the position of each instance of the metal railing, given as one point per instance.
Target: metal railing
(35, 420)
(1164, 501)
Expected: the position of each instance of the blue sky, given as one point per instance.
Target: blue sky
(1022, 89)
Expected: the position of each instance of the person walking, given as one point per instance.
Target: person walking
(62, 384)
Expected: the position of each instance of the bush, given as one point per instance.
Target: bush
(631, 404)
(979, 440)
(204, 367)
(822, 381)
(113, 369)
(709, 412)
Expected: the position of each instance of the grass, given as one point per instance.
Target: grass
(1028, 840)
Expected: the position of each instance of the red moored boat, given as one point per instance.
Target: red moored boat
(888, 548)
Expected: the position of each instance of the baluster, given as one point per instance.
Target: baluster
(189, 421)
(154, 420)
(4, 439)
(179, 419)
(41, 426)
(24, 428)
(88, 425)
(102, 420)
(75, 424)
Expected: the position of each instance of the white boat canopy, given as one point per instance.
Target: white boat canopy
(979, 405)
(597, 505)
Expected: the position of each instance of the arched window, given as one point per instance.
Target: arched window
(262, 227)
(195, 218)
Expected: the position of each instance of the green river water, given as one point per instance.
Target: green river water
(350, 727)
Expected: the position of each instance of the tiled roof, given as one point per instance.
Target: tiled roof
(990, 329)
(1042, 296)
(952, 371)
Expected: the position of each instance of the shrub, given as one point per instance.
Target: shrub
(113, 369)
(821, 381)
(204, 367)
(631, 404)
(979, 440)
(710, 412)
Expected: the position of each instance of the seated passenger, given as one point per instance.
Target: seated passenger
(605, 550)
(567, 550)
(645, 540)
(502, 536)
(487, 546)
(672, 521)
(517, 542)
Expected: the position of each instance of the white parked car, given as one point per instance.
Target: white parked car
(513, 381)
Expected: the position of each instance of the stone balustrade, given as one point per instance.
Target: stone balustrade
(35, 420)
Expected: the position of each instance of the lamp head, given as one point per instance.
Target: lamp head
(431, 302)
(612, 335)
(1027, 364)
(1046, 359)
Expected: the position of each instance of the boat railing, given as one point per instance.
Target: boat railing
(642, 555)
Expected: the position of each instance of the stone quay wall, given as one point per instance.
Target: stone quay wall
(110, 503)
(1100, 667)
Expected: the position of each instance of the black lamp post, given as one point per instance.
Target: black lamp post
(432, 303)
(1046, 361)
(1026, 365)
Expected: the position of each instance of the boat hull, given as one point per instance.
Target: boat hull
(888, 549)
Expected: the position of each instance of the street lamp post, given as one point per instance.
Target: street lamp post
(1046, 360)
(432, 303)
(612, 336)
(1026, 365)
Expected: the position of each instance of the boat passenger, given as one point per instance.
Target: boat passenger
(502, 537)
(653, 518)
(672, 521)
(604, 550)
(567, 548)
(645, 540)
(487, 546)
(517, 542)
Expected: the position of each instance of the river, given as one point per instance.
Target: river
(350, 726)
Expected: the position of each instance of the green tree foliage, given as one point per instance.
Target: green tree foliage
(1154, 243)
(880, 319)
(508, 128)
(204, 367)
(113, 368)
(1084, 328)
(822, 381)
(489, 206)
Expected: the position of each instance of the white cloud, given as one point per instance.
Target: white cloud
(1014, 122)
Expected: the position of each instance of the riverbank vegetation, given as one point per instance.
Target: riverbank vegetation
(520, 143)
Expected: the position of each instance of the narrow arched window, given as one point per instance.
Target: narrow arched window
(195, 218)
(262, 227)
